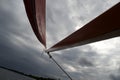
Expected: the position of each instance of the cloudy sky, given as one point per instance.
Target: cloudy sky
(20, 49)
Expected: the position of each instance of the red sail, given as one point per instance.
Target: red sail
(103, 27)
(35, 10)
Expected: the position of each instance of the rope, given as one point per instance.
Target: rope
(59, 66)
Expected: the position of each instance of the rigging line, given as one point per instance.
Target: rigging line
(59, 66)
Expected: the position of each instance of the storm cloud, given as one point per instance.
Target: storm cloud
(20, 49)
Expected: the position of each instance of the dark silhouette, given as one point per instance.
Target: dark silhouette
(27, 75)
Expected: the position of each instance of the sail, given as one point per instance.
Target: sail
(105, 26)
(35, 10)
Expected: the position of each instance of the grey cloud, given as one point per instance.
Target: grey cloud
(64, 16)
(84, 62)
(113, 77)
(20, 49)
(59, 25)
